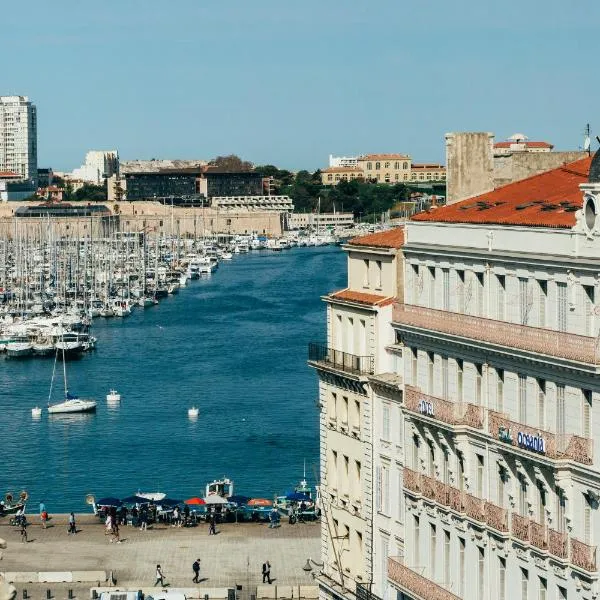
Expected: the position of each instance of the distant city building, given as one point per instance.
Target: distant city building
(98, 166)
(385, 168)
(381, 168)
(343, 161)
(161, 184)
(51, 193)
(13, 187)
(520, 143)
(237, 203)
(317, 220)
(18, 137)
(333, 175)
(216, 182)
(44, 177)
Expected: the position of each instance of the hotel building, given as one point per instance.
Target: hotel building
(478, 403)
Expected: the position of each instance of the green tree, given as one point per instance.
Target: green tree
(231, 162)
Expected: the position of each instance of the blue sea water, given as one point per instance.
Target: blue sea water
(234, 344)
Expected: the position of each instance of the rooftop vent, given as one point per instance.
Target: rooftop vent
(525, 205)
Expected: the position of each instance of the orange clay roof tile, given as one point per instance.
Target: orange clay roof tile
(548, 199)
(391, 238)
(362, 298)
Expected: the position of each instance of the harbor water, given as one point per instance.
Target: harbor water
(233, 344)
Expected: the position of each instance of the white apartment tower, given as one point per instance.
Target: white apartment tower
(18, 137)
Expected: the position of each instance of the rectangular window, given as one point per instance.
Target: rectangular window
(501, 578)
(560, 409)
(479, 384)
(446, 282)
(524, 301)
(432, 303)
(500, 390)
(481, 573)
(523, 399)
(446, 581)
(543, 588)
(445, 377)
(400, 502)
(416, 281)
(378, 489)
(366, 273)
(430, 366)
(541, 504)
(461, 566)
(501, 281)
(385, 476)
(459, 380)
(417, 546)
(524, 583)
(588, 308)
(446, 471)
(460, 291)
(560, 509)
(385, 550)
(480, 475)
(431, 469)
(385, 422)
(415, 366)
(334, 470)
(586, 414)
(432, 550)
(541, 403)
(522, 495)
(415, 457)
(480, 294)
(561, 306)
(461, 473)
(378, 274)
(587, 520)
(501, 487)
(543, 296)
(345, 411)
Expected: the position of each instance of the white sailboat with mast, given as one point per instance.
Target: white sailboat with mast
(71, 404)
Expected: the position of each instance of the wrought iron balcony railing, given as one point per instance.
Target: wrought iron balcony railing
(343, 361)
(560, 344)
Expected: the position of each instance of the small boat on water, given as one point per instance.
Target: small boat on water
(36, 412)
(220, 487)
(113, 397)
(193, 412)
(154, 496)
(72, 404)
(19, 349)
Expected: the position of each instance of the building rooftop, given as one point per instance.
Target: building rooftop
(362, 298)
(416, 167)
(391, 238)
(342, 170)
(548, 199)
(384, 157)
(9, 175)
(525, 143)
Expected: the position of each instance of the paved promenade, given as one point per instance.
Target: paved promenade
(234, 556)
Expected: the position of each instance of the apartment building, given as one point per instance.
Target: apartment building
(358, 332)
(18, 137)
(385, 168)
(498, 332)
(427, 172)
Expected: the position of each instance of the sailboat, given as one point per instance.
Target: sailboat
(71, 404)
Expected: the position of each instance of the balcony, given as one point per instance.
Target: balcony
(446, 411)
(551, 445)
(415, 584)
(563, 345)
(496, 517)
(582, 555)
(341, 361)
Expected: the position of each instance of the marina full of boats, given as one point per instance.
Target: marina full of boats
(52, 287)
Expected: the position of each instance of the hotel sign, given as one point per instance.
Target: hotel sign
(426, 407)
(534, 443)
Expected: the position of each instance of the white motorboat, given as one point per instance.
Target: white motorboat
(154, 496)
(113, 396)
(193, 412)
(36, 412)
(227, 256)
(72, 405)
(19, 349)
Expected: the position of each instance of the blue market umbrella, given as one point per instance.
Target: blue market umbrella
(297, 497)
(170, 502)
(239, 499)
(109, 502)
(135, 500)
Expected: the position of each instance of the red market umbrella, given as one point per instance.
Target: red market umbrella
(195, 501)
(260, 502)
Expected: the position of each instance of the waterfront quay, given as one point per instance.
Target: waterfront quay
(233, 557)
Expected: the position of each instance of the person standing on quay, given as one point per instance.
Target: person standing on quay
(159, 577)
(266, 571)
(44, 518)
(212, 528)
(72, 525)
(196, 569)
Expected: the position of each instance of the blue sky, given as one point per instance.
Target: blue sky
(288, 82)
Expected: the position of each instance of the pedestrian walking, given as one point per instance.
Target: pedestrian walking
(196, 569)
(72, 525)
(143, 519)
(266, 571)
(159, 577)
(212, 528)
(109, 525)
(23, 530)
(42, 507)
(44, 518)
(116, 535)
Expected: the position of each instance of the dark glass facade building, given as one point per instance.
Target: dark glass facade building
(233, 184)
(147, 186)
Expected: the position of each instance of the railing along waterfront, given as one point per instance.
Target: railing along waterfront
(512, 335)
(524, 529)
(549, 444)
(415, 583)
(349, 363)
(453, 413)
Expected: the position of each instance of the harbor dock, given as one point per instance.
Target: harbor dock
(231, 558)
